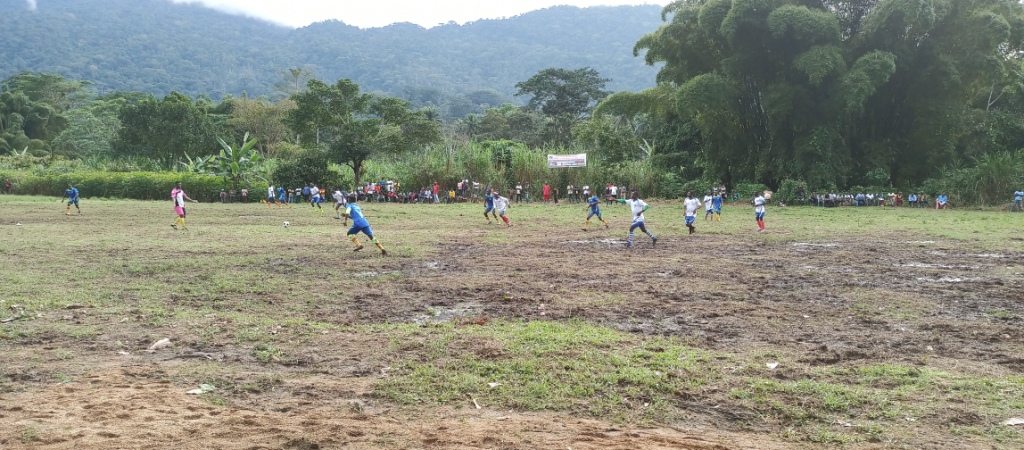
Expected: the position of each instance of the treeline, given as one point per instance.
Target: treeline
(873, 95)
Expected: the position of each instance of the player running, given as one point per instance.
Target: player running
(359, 224)
(759, 203)
(500, 203)
(489, 205)
(315, 199)
(339, 201)
(708, 210)
(692, 205)
(594, 204)
(71, 193)
(179, 198)
(282, 197)
(716, 205)
(638, 207)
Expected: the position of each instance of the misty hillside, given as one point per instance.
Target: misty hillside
(157, 46)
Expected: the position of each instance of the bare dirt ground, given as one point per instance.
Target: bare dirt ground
(846, 302)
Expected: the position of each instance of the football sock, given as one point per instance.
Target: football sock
(649, 234)
(355, 241)
(629, 240)
(377, 243)
(505, 219)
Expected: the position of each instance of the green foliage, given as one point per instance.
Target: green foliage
(566, 96)
(130, 185)
(787, 191)
(310, 166)
(990, 181)
(353, 127)
(165, 130)
(238, 165)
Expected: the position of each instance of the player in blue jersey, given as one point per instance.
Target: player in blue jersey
(71, 193)
(594, 205)
(359, 223)
(716, 205)
(489, 206)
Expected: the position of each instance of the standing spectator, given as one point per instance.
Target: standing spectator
(547, 193)
(305, 192)
(223, 196)
(1018, 195)
(7, 185)
(922, 202)
(245, 195)
(799, 194)
(519, 193)
(759, 202)
(912, 200)
(692, 205)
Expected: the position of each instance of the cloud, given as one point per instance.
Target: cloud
(31, 4)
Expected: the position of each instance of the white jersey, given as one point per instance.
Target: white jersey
(692, 205)
(500, 203)
(340, 199)
(314, 192)
(707, 202)
(614, 190)
(759, 205)
(179, 197)
(637, 206)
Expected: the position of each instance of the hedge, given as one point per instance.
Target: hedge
(130, 185)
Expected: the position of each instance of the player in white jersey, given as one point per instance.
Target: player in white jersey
(315, 199)
(709, 212)
(759, 203)
(692, 205)
(339, 202)
(500, 204)
(638, 207)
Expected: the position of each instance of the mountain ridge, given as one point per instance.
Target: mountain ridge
(157, 46)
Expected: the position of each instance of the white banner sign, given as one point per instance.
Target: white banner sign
(563, 161)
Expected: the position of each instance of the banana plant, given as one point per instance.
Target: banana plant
(238, 164)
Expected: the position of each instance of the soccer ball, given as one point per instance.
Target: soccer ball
(286, 224)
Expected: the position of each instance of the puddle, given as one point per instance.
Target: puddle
(373, 274)
(444, 314)
(811, 244)
(936, 266)
(948, 280)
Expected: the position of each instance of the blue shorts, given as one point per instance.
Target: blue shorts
(759, 216)
(595, 212)
(690, 220)
(281, 197)
(718, 210)
(73, 202)
(501, 212)
(316, 200)
(637, 225)
(488, 209)
(270, 199)
(364, 229)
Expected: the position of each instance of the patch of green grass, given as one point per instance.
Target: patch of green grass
(266, 353)
(547, 366)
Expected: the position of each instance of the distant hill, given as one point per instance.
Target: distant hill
(156, 46)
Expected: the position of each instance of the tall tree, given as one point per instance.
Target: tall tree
(830, 90)
(165, 130)
(567, 96)
(353, 127)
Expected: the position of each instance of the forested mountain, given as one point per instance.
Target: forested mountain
(156, 46)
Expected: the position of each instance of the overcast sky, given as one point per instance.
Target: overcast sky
(378, 13)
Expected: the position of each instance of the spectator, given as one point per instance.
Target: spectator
(245, 195)
(1018, 195)
(912, 200)
(519, 193)
(547, 193)
(436, 190)
(223, 196)
(941, 201)
(7, 185)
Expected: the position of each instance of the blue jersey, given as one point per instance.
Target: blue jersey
(595, 204)
(356, 214)
(71, 194)
(489, 201)
(716, 202)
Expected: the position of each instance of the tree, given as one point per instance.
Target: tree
(567, 96)
(261, 119)
(829, 91)
(353, 127)
(164, 130)
(25, 123)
